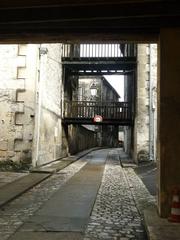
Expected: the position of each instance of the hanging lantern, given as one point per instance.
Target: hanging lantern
(93, 89)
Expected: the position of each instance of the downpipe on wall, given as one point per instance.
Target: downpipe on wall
(38, 110)
(151, 111)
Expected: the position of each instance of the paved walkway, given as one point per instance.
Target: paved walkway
(14, 184)
(117, 213)
(68, 210)
(17, 212)
(114, 215)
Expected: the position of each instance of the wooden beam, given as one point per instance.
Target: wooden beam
(33, 3)
(92, 12)
(45, 21)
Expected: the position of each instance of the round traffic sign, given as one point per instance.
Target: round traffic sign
(97, 118)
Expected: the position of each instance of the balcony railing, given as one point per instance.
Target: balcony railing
(98, 51)
(79, 110)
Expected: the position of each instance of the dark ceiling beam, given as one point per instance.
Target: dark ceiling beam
(21, 37)
(98, 12)
(84, 20)
(35, 3)
(148, 23)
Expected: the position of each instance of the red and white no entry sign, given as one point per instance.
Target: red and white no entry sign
(97, 118)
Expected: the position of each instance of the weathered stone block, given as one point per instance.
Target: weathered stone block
(17, 157)
(10, 154)
(21, 72)
(18, 135)
(18, 145)
(21, 61)
(17, 107)
(21, 96)
(12, 84)
(22, 49)
(13, 96)
(3, 145)
(19, 118)
(11, 144)
(3, 155)
(28, 136)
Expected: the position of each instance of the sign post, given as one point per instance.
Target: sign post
(97, 119)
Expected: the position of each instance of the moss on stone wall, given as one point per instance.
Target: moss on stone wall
(9, 165)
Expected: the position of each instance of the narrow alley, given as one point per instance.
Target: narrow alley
(92, 198)
(89, 120)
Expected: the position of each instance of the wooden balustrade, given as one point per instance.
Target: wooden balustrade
(98, 51)
(89, 109)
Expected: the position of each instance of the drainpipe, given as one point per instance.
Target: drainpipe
(151, 111)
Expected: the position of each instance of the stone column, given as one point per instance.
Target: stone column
(168, 118)
(141, 129)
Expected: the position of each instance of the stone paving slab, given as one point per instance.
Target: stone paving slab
(70, 207)
(54, 167)
(14, 184)
(17, 212)
(13, 189)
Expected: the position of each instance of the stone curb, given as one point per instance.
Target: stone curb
(159, 228)
(58, 165)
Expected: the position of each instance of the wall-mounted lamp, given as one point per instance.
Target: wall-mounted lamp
(93, 89)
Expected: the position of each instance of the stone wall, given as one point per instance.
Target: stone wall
(17, 99)
(80, 138)
(30, 103)
(153, 102)
(146, 116)
(110, 136)
(129, 88)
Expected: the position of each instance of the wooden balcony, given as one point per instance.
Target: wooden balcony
(83, 112)
(99, 59)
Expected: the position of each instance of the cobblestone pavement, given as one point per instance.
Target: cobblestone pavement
(13, 215)
(115, 215)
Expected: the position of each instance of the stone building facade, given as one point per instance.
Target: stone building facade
(17, 101)
(105, 92)
(30, 93)
(140, 88)
(107, 135)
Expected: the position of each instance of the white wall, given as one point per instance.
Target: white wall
(48, 131)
